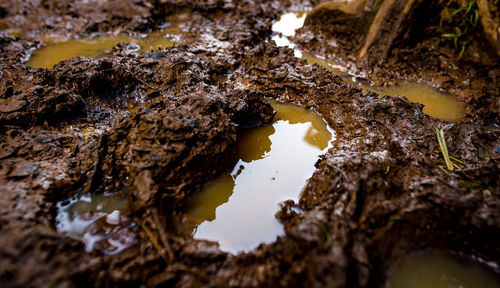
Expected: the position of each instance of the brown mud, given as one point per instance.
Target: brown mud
(156, 126)
(412, 50)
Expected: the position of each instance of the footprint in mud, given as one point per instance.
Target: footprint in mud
(99, 221)
(238, 209)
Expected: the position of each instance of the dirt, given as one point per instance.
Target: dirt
(157, 126)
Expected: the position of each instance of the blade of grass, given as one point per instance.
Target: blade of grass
(455, 13)
(462, 50)
(458, 160)
(322, 228)
(442, 169)
(469, 7)
(443, 147)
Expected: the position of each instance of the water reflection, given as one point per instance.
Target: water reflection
(285, 27)
(100, 221)
(237, 210)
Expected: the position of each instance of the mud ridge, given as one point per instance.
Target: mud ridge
(157, 126)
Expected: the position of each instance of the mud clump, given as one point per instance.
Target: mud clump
(154, 127)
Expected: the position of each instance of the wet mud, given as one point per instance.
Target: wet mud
(414, 50)
(155, 127)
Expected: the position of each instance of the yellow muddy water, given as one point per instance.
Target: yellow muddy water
(433, 270)
(237, 209)
(438, 105)
(56, 50)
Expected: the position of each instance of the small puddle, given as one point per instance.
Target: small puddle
(56, 50)
(435, 270)
(238, 209)
(438, 105)
(100, 221)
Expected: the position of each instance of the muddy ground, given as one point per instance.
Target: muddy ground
(380, 192)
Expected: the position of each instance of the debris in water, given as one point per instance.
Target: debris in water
(100, 221)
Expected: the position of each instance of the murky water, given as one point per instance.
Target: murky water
(238, 209)
(435, 270)
(56, 50)
(99, 221)
(438, 105)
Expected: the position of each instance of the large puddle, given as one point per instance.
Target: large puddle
(57, 50)
(438, 105)
(435, 270)
(100, 221)
(238, 209)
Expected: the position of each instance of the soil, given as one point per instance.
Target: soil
(157, 126)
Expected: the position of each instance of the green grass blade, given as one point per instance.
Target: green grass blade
(458, 160)
(322, 228)
(443, 148)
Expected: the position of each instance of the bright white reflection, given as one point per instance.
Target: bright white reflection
(285, 27)
(238, 210)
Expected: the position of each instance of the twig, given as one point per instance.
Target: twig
(154, 240)
(162, 233)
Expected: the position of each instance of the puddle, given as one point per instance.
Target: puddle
(238, 209)
(285, 27)
(99, 221)
(438, 105)
(56, 50)
(435, 270)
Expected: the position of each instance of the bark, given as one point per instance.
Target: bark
(489, 18)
